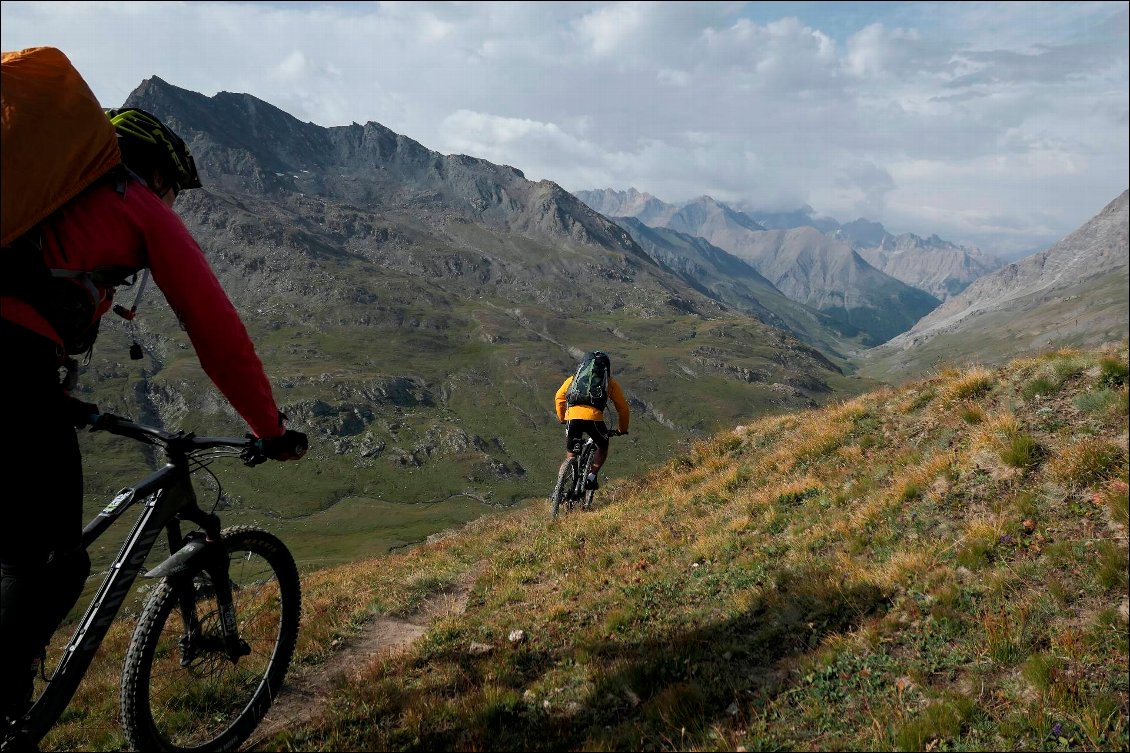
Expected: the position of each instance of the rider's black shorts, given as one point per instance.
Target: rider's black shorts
(577, 427)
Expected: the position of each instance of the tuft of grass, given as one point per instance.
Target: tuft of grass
(1025, 504)
(1097, 401)
(979, 546)
(1039, 387)
(1107, 633)
(938, 722)
(973, 383)
(919, 400)
(1021, 451)
(1113, 496)
(1040, 670)
(1112, 565)
(1088, 461)
(797, 492)
(971, 412)
(1066, 368)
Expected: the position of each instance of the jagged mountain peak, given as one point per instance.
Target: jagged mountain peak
(244, 144)
(694, 214)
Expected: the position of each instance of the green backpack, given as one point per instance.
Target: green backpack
(590, 382)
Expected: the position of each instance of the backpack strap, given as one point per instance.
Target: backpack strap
(66, 298)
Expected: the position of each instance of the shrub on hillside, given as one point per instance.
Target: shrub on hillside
(1112, 372)
(1096, 401)
(1041, 386)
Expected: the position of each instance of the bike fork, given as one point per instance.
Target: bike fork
(194, 641)
(218, 567)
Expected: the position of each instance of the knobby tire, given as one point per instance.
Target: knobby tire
(213, 703)
(566, 478)
(586, 460)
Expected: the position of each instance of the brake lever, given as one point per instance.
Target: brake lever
(253, 455)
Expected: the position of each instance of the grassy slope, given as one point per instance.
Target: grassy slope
(501, 392)
(939, 566)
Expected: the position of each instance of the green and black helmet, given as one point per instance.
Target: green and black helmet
(149, 145)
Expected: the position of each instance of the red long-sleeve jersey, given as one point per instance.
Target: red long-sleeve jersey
(135, 229)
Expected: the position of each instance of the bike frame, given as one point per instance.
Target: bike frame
(168, 497)
(582, 458)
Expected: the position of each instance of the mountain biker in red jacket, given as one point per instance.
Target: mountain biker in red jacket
(587, 419)
(120, 224)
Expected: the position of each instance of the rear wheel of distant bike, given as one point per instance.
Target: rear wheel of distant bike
(180, 689)
(566, 479)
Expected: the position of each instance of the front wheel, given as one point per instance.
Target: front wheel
(566, 478)
(180, 689)
(586, 460)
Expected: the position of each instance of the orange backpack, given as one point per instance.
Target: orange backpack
(56, 138)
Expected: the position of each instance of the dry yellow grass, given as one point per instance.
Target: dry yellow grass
(974, 382)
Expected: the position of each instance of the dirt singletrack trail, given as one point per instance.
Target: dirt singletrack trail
(305, 694)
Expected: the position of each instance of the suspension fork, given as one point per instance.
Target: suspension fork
(217, 566)
(206, 549)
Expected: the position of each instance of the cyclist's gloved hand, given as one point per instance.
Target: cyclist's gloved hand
(82, 414)
(292, 445)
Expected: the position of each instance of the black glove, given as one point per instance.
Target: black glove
(82, 414)
(292, 445)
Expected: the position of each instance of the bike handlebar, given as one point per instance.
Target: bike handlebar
(177, 442)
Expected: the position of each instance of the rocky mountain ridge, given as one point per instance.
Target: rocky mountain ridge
(932, 265)
(736, 283)
(1073, 293)
(1096, 249)
(808, 266)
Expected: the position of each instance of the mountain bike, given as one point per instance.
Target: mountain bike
(570, 487)
(215, 637)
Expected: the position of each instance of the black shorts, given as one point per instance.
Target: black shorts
(578, 427)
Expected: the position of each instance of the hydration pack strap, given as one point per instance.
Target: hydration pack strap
(129, 314)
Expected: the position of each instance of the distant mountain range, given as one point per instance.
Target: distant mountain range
(1072, 294)
(931, 264)
(815, 268)
(734, 282)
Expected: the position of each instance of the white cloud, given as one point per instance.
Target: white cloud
(994, 123)
(292, 67)
(607, 30)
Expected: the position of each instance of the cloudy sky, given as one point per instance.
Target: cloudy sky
(1003, 125)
